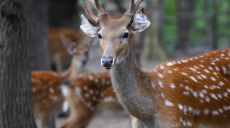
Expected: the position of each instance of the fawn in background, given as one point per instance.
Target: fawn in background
(46, 93)
(86, 95)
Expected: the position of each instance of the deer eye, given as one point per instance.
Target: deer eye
(126, 35)
(99, 36)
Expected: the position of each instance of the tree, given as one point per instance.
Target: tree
(39, 27)
(62, 13)
(185, 10)
(15, 90)
(155, 51)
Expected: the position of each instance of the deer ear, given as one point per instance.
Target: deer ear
(88, 28)
(140, 22)
(67, 44)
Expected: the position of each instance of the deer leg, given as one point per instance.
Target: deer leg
(80, 118)
(44, 118)
(52, 121)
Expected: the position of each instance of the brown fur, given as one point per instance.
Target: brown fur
(100, 95)
(46, 94)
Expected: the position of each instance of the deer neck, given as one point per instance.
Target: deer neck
(131, 88)
(72, 72)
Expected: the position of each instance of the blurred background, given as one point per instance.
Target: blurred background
(179, 29)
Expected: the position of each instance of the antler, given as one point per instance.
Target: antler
(89, 11)
(98, 6)
(133, 6)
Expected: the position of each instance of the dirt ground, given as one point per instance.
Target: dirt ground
(104, 119)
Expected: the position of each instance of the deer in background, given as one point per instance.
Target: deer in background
(46, 93)
(86, 95)
(192, 92)
(59, 56)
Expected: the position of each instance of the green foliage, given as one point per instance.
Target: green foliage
(201, 25)
(80, 3)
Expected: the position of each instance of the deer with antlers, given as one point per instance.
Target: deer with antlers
(46, 93)
(86, 95)
(192, 92)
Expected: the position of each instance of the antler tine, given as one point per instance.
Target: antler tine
(137, 3)
(89, 12)
(98, 6)
(133, 6)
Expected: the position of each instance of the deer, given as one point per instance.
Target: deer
(86, 95)
(192, 92)
(58, 54)
(47, 97)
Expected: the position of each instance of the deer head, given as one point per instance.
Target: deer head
(79, 53)
(114, 34)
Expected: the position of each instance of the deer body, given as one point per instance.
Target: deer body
(87, 94)
(192, 92)
(46, 93)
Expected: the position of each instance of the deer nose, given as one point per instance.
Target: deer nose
(83, 61)
(107, 62)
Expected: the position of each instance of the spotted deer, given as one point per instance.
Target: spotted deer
(192, 92)
(59, 56)
(46, 93)
(86, 95)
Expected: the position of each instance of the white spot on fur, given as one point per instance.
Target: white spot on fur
(169, 64)
(153, 85)
(160, 75)
(207, 99)
(224, 70)
(184, 73)
(160, 84)
(206, 71)
(172, 86)
(213, 96)
(221, 83)
(184, 61)
(78, 91)
(85, 88)
(206, 111)
(51, 90)
(90, 77)
(168, 103)
(96, 81)
(189, 124)
(86, 95)
(193, 78)
(65, 91)
(162, 67)
(213, 79)
(215, 112)
(186, 93)
(180, 106)
(169, 72)
(91, 91)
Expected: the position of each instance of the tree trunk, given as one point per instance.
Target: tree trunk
(39, 47)
(15, 89)
(155, 51)
(184, 21)
(62, 14)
